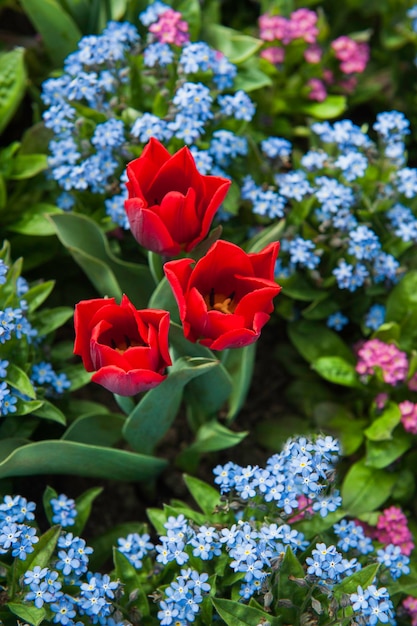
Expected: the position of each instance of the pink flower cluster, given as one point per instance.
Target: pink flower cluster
(353, 55)
(300, 25)
(410, 605)
(392, 528)
(170, 28)
(377, 354)
(409, 416)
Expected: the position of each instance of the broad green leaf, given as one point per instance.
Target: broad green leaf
(336, 370)
(34, 222)
(238, 614)
(29, 614)
(382, 427)
(103, 429)
(67, 457)
(382, 453)
(364, 578)
(38, 294)
(27, 166)
(163, 298)
(240, 364)
(314, 341)
(18, 379)
(331, 107)
(48, 320)
(251, 77)
(13, 85)
(206, 496)
(51, 412)
(83, 504)
(236, 46)
(57, 29)
(366, 488)
(207, 394)
(90, 249)
(7, 446)
(155, 413)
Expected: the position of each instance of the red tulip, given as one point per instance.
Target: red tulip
(126, 348)
(225, 299)
(171, 205)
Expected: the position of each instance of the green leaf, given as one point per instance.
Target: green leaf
(363, 578)
(48, 320)
(57, 29)
(38, 294)
(210, 437)
(28, 165)
(50, 412)
(67, 457)
(155, 413)
(331, 107)
(336, 370)
(366, 488)
(206, 496)
(236, 46)
(103, 429)
(313, 341)
(238, 614)
(34, 221)
(90, 249)
(77, 376)
(18, 379)
(382, 453)
(383, 426)
(29, 614)
(297, 287)
(402, 308)
(48, 495)
(265, 236)
(83, 504)
(163, 298)
(240, 364)
(131, 581)
(13, 84)
(207, 394)
(250, 76)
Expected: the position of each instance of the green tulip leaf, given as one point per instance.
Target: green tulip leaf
(155, 413)
(68, 457)
(58, 30)
(240, 364)
(90, 249)
(104, 429)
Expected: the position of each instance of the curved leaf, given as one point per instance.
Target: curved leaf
(13, 81)
(67, 457)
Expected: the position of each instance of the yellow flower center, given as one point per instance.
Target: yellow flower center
(220, 302)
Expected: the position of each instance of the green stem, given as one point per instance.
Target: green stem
(155, 266)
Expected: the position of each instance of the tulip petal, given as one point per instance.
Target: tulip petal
(83, 314)
(263, 262)
(124, 383)
(149, 230)
(236, 338)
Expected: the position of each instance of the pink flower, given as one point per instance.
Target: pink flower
(313, 54)
(377, 354)
(410, 605)
(170, 28)
(392, 527)
(353, 55)
(274, 55)
(412, 383)
(381, 400)
(409, 416)
(273, 27)
(303, 25)
(317, 90)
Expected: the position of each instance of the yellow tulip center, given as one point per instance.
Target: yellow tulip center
(220, 302)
